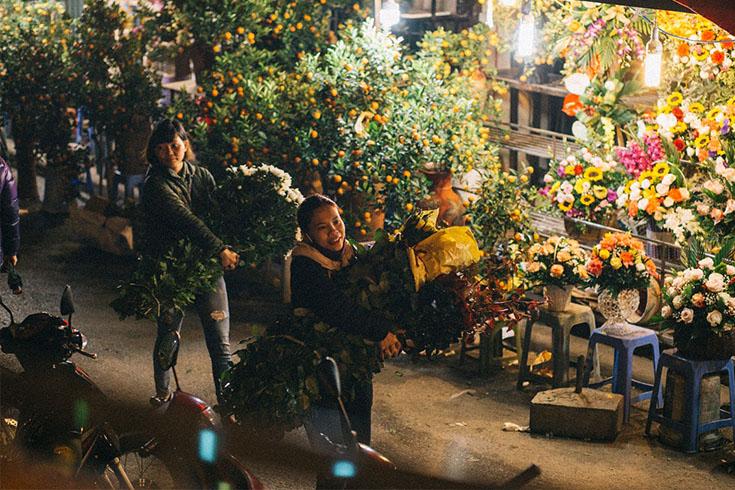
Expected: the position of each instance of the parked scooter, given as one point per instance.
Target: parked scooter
(353, 464)
(53, 409)
(187, 436)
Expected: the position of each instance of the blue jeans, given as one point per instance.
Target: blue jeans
(214, 314)
(130, 181)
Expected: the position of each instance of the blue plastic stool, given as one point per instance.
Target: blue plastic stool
(693, 372)
(622, 378)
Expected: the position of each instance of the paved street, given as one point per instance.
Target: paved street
(429, 416)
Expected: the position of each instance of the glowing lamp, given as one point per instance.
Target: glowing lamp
(390, 14)
(526, 36)
(654, 57)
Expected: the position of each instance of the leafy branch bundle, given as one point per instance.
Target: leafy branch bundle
(273, 384)
(168, 283)
(383, 280)
(256, 215)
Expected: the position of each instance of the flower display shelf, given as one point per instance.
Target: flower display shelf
(532, 141)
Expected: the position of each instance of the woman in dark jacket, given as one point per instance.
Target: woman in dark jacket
(9, 217)
(324, 251)
(176, 195)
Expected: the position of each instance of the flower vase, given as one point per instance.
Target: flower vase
(617, 309)
(558, 298)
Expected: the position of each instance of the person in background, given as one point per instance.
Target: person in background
(9, 217)
(323, 251)
(176, 194)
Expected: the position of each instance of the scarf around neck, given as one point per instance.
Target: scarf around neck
(303, 249)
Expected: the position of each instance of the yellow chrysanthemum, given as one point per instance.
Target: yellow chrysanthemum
(696, 107)
(555, 187)
(569, 170)
(649, 193)
(675, 99)
(660, 169)
(599, 191)
(593, 174)
(702, 141)
(587, 199)
(566, 205)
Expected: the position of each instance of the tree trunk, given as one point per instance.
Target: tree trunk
(56, 191)
(26, 161)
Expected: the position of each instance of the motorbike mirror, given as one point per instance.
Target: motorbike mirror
(167, 350)
(328, 373)
(67, 301)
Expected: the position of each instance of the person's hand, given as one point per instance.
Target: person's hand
(11, 259)
(229, 259)
(390, 346)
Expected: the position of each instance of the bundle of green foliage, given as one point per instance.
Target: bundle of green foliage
(256, 216)
(274, 382)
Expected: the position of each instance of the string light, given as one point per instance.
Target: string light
(526, 33)
(390, 15)
(654, 58)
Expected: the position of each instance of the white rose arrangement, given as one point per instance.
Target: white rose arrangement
(699, 302)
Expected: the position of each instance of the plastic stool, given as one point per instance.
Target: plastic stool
(693, 372)
(491, 348)
(561, 324)
(622, 378)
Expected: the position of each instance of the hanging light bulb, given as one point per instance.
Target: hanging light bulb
(487, 16)
(654, 57)
(526, 33)
(390, 14)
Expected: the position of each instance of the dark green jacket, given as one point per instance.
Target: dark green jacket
(173, 207)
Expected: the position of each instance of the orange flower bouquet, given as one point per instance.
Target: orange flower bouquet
(619, 262)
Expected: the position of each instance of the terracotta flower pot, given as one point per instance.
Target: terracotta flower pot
(451, 209)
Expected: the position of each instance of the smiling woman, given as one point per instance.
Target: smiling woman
(323, 252)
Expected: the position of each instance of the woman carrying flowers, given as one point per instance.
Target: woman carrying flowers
(176, 195)
(324, 251)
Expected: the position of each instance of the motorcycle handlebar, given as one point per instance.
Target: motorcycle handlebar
(85, 353)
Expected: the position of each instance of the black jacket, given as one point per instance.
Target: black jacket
(172, 208)
(312, 287)
(9, 220)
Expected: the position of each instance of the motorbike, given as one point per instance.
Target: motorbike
(53, 409)
(353, 465)
(54, 412)
(187, 435)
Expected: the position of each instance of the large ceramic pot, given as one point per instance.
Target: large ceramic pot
(451, 209)
(617, 309)
(558, 298)
(649, 305)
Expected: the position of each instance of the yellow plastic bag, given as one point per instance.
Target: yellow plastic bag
(447, 250)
